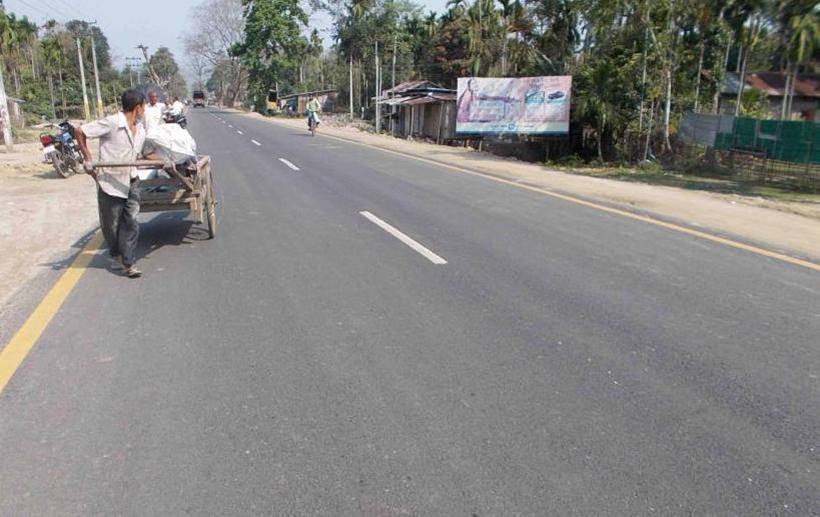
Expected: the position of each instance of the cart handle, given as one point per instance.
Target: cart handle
(149, 163)
(137, 163)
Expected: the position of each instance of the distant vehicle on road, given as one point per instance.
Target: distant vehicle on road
(199, 99)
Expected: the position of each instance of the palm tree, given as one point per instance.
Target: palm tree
(746, 18)
(9, 38)
(358, 8)
(513, 20)
(431, 24)
(596, 101)
(53, 59)
(805, 30)
(482, 20)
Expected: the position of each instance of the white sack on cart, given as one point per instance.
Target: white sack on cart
(171, 142)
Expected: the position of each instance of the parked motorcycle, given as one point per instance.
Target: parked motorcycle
(174, 118)
(62, 150)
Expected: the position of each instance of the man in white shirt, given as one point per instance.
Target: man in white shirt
(121, 140)
(153, 111)
(177, 108)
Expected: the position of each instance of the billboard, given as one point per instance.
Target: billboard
(521, 105)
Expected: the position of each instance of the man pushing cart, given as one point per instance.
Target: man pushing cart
(121, 195)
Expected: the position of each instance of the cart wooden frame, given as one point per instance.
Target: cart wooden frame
(191, 190)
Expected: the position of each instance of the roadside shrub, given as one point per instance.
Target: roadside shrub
(650, 167)
(571, 160)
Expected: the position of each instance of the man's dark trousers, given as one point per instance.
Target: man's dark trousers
(118, 220)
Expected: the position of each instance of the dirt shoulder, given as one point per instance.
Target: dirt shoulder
(790, 227)
(42, 214)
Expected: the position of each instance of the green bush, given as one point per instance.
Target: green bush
(648, 166)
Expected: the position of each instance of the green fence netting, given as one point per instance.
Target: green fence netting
(788, 141)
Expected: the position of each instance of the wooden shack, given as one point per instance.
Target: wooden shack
(419, 109)
(296, 103)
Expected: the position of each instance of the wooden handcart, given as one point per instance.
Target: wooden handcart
(191, 189)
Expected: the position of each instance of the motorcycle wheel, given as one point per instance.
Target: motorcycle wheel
(74, 162)
(60, 165)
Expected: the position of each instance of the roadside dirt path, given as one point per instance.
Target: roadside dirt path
(787, 227)
(41, 217)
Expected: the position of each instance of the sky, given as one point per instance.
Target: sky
(154, 23)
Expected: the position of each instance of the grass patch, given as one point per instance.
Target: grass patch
(709, 181)
(26, 135)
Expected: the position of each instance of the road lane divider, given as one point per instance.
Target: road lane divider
(409, 241)
(240, 132)
(16, 350)
(289, 164)
(255, 142)
(757, 250)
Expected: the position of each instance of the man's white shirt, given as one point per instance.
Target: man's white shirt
(153, 115)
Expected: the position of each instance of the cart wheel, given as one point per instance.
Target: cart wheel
(210, 207)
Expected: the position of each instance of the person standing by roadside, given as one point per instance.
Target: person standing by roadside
(153, 111)
(121, 140)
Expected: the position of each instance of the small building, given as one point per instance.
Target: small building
(419, 109)
(773, 86)
(297, 102)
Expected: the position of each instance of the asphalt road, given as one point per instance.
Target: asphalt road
(564, 361)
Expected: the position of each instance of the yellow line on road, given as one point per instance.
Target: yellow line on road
(597, 206)
(13, 354)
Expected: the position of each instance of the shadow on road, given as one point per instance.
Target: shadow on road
(167, 229)
(76, 248)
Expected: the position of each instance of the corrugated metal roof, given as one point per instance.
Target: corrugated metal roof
(413, 98)
(410, 85)
(773, 84)
(419, 100)
(393, 100)
(304, 94)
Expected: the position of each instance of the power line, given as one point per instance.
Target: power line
(83, 15)
(48, 15)
(55, 9)
(36, 8)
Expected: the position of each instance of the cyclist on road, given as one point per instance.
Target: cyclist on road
(313, 108)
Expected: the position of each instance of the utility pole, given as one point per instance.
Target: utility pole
(393, 87)
(86, 108)
(134, 62)
(5, 118)
(131, 63)
(351, 88)
(378, 93)
(100, 110)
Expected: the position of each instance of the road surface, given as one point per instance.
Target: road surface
(373, 335)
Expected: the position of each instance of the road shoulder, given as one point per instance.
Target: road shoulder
(44, 217)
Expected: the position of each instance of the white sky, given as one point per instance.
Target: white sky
(154, 23)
